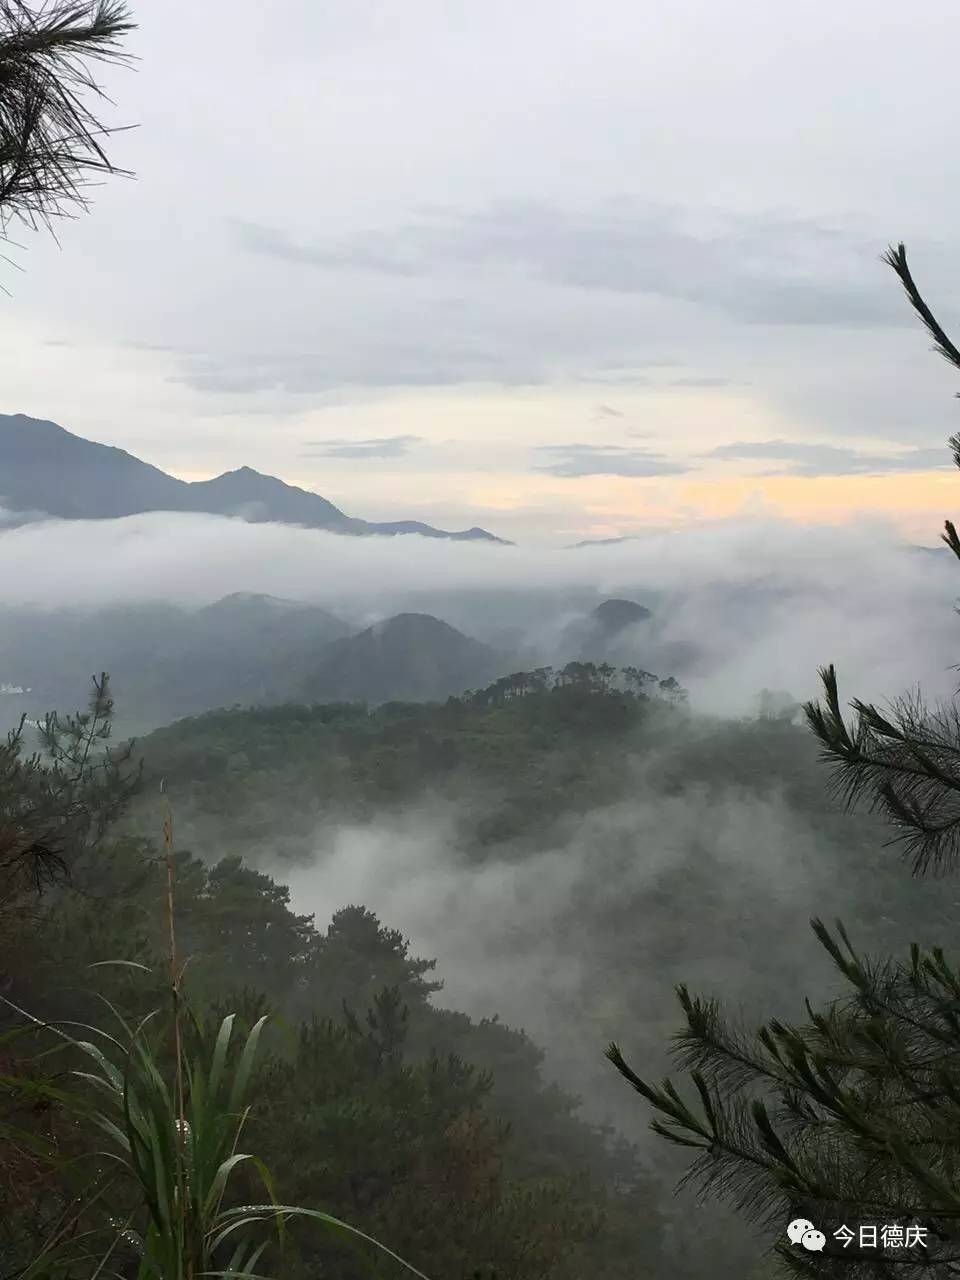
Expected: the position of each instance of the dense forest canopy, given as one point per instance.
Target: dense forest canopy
(572, 765)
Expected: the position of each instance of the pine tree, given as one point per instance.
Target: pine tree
(851, 1120)
(57, 802)
(51, 141)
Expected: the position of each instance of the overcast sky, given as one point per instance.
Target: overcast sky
(560, 269)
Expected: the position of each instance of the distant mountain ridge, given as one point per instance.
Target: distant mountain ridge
(46, 469)
(603, 542)
(248, 649)
(601, 632)
(409, 657)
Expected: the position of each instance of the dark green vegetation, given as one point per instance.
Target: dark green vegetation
(527, 763)
(439, 1133)
(46, 469)
(435, 1132)
(517, 754)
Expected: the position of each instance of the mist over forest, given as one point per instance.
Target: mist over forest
(479, 708)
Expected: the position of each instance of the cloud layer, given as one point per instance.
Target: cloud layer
(574, 460)
(744, 603)
(761, 269)
(376, 447)
(798, 458)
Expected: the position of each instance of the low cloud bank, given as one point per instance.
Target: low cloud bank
(585, 940)
(516, 936)
(738, 605)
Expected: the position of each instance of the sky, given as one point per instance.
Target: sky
(561, 270)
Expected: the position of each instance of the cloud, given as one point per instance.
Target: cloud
(371, 361)
(803, 459)
(545, 913)
(572, 460)
(607, 411)
(159, 348)
(564, 913)
(374, 253)
(375, 447)
(706, 381)
(765, 602)
(758, 268)
(438, 238)
(529, 294)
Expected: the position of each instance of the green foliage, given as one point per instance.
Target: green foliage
(172, 1155)
(392, 1113)
(367, 1101)
(848, 1119)
(518, 753)
(56, 803)
(905, 762)
(410, 1148)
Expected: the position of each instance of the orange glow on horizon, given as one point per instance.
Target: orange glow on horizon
(917, 501)
(608, 506)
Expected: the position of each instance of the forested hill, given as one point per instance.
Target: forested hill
(374, 1100)
(521, 750)
(606, 766)
(401, 1117)
(578, 841)
(616, 843)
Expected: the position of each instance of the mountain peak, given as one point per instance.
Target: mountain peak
(46, 469)
(251, 600)
(614, 615)
(411, 625)
(237, 473)
(410, 656)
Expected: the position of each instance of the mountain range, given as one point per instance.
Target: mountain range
(45, 470)
(167, 662)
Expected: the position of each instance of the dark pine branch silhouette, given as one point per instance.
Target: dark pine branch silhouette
(51, 139)
(905, 763)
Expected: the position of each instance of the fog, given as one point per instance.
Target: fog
(738, 605)
(683, 879)
(531, 940)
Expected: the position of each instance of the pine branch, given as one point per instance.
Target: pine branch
(906, 763)
(897, 258)
(51, 143)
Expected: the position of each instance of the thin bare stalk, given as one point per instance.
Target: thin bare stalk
(175, 977)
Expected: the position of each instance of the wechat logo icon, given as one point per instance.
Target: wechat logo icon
(805, 1234)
